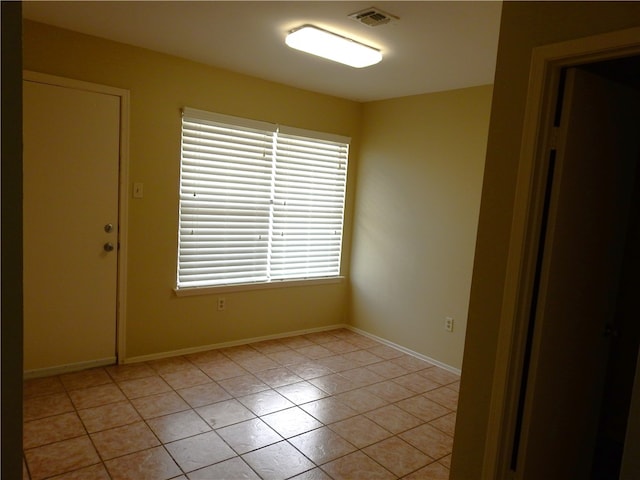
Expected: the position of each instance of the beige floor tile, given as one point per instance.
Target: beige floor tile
(362, 376)
(296, 342)
(291, 422)
(234, 468)
(199, 451)
(152, 464)
(393, 406)
(270, 346)
(96, 396)
(434, 471)
(61, 457)
(357, 466)
(385, 351)
(397, 456)
(390, 391)
(362, 358)
(160, 404)
(177, 426)
(340, 346)
(243, 385)
(387, 369)
(37, 387)
(277, 461)
(394, 419)
(440, 375)
(249, 435)
(361, 400)
(257, 363)
(94, 472)
(202, 395)
(170, 365)
(288, 357)
(333, 384)
(313, 474)
(446, 423)
(85, 379)
(222, 369)
(52, 429)
(444, 396)
(310, 370)
(224, 413)
(322, 445)
(416, 383)
(301, 392)
(329, 410)
(45, 406)
(336, 363)
(263, 403)
(423, 408)
(320, 337)
(412, 363)
(142, 387)
(124, 440)
(108, 416)
(239, 351)
(315, 351)
(278, 377)
(445, 461)
(429, 440)
(186, 378)
(360, 431)
(120, 373)
(201, 358)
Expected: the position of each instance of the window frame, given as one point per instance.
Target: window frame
(274, 130)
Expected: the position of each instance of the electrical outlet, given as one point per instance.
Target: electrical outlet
(222, 303)
(448, 324)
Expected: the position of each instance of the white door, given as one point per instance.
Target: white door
(71, 181)
(588, 217)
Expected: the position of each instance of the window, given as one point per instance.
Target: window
(258, 202)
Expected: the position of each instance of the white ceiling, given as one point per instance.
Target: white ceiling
(434, 46)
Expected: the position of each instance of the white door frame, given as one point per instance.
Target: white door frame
(123, 200)
(546, 65)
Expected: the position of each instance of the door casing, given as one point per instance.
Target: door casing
(547, 63)
(123, 196)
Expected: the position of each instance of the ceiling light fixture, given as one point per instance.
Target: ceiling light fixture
(322, 43)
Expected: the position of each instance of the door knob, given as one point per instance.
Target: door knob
(108, 247)
(108, 228)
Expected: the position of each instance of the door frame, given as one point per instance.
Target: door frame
(123, 191)
(547, 63)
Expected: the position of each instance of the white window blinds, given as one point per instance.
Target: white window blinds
(258, 203)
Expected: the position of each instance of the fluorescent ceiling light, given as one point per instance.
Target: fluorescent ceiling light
(334, 47)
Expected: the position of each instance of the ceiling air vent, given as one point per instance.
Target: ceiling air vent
(372, 17)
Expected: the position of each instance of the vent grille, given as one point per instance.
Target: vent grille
(372, 17)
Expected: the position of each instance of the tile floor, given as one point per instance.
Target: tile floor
(329, 405)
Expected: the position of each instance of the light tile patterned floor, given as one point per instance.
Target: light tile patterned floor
(329, 405)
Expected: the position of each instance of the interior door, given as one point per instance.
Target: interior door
(588, 215)
(71, 177)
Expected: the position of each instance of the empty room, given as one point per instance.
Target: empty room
(240, 259)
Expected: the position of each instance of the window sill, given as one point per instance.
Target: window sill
(193, 291)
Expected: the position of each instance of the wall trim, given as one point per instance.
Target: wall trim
(233, 343)
(68, 368)
(420, 356)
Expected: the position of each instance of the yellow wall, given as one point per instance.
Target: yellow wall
(418, 191)
(524, 25)
(157, 320)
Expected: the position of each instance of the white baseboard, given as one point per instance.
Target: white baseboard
(444, 366)
(67, 368)
(204, 348)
